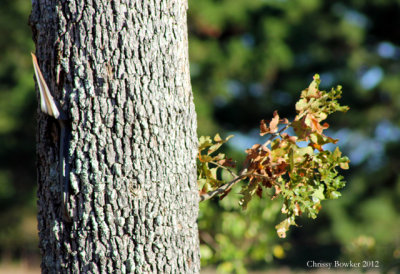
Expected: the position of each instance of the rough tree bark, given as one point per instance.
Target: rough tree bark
(119, 69)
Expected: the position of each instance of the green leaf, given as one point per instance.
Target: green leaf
(319, 193)
(213, 172)
(283, 226)
(204, 142)
(214, 147)
(344, 165)
(313, 87)
(291, 159)
(301, 105)
(336, 154)
(206, 158)
(248, 192)
(202, 182)
(207, 187)
(220, 156)
(206, 252)
(334, 195)
(314, 138)
(302, 151)
(217, 138)
(219, 143)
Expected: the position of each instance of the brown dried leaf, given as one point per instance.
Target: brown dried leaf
(263, 128)
(278, 190)
(259, 191)
(291, 139)
(227, 162)
(284, 121)
(316, 146)
(280, 169)
(315, 125)
(273, 125)
(297, 210)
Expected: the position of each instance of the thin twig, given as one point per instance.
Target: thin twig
(224, 167)
(274, 135)
(208, 239)
(223, 188)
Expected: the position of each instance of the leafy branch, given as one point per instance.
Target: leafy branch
(302, 175)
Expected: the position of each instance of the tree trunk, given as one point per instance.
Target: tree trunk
(120, 72)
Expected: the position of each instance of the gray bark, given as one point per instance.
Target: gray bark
(120, 72)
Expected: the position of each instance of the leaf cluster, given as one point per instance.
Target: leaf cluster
(209, 164)
(303, 175)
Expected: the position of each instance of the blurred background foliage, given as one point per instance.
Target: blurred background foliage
(248, 58)
(18, 225)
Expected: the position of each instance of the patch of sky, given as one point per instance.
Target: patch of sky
(363, 148)
(387, 50)
(220, 101)
(385, 131)
(371, 78)
(356, 18)
(357, 146)
(327, 79)
(303, 59)
(243, 141)
(248, 40)
(256, 90)
(235, 88)
(350, 15)
(282, 98)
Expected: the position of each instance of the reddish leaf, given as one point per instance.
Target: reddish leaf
(263, 128)
(259, 191)
(316, 146)
(253, 148)
(273, 124)
(284, 121)
(227, 162)
(281, 169)
(267, 183)
(315, 125)
(291, 139)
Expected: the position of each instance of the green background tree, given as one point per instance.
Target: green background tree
(249, 58)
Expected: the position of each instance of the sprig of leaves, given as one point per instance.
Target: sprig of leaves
(302, 175)
(210, 164)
